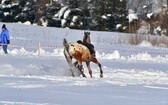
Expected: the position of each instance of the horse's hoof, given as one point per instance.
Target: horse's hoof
(101, 75)
(84, 75)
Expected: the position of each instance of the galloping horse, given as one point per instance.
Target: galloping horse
(82, 54)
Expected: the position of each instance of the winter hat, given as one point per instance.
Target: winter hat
(4, 26)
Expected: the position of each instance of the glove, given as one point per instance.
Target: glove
(8, 41)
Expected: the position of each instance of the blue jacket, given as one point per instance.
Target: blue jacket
(4, 37)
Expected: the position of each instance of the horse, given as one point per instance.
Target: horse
(80, 53)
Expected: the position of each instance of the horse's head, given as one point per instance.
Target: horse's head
(86, 38)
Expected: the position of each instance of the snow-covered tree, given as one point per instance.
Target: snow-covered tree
(17, 10)
(72, 14)
(27, 12)
(108, 13)
(166, 19)
(72, 18)
(48, 14)
(102, 15)
(9, 9)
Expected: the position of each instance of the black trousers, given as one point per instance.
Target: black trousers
(90, 47)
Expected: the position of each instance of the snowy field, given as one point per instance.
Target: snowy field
(133, 75)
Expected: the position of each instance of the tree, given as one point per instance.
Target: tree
(108, 13)
(8, 11)
(27, 12)
(48, 13)
(74, 14)
(167, 20)
(17, 10)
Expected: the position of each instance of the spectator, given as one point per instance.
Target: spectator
(4, 38)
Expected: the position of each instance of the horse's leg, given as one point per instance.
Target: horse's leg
(80, 68)
(96, 62)
(89, 68)
(69, 60)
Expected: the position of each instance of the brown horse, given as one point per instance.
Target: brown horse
(82, 54)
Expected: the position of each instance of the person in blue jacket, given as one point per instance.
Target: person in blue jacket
(4, 38)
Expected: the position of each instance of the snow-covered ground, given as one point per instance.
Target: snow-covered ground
(133, 75)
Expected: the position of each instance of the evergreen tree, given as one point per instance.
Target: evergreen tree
(76, 17)
(9, 9)
(84, 14)
(49, 12)
(167, 20)
(108, 13)
(82, 4)
(17, 10)
(27, 12)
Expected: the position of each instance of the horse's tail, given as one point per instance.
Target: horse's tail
(65, 43)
